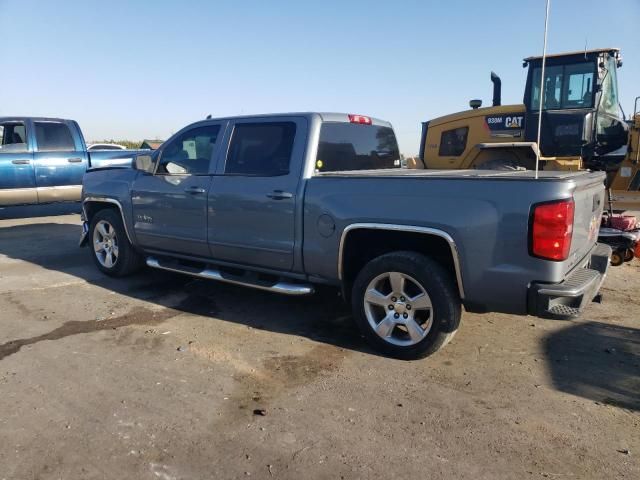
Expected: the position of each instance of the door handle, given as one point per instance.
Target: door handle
(21, 162)
(74, 160)
(195, 190)
(279, 195)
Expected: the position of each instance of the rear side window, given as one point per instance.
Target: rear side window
(261, 149)
(13, 137)
(453, 142)
(53, 137)
(349, 146)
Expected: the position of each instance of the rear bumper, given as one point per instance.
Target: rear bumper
(569, 297)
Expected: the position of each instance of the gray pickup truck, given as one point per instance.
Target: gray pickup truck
(288, 201)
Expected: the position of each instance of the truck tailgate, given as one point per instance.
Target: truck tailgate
(589, 198)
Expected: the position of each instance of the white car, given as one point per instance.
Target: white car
(106, 146)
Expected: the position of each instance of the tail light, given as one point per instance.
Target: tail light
(552, 229)
(360, 119)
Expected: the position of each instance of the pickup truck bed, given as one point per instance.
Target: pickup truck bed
(471, 206)
(283, 202)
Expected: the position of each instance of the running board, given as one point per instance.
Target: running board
(209, 273)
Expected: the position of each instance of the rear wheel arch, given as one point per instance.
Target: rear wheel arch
(361, 243)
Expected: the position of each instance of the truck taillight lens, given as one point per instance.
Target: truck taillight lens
(551, 230)
(360, 119)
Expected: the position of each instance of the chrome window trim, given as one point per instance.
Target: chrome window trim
(107, 200)
(405, 228)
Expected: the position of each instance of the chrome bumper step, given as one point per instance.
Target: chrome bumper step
(210, 273)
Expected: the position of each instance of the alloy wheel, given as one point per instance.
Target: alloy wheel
(105, 244)
(398, 308)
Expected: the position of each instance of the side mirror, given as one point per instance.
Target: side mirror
(144, 163)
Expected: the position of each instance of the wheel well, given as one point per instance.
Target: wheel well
(363, 245)
(91, 208)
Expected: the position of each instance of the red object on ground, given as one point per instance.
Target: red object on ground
(636, 252)
(623, 222)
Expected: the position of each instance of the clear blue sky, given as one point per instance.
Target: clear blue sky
(127, 69)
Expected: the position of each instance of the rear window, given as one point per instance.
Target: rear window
(350, 146)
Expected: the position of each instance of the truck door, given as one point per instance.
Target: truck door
(252, 201)
(60, 161)
(17, 182)
(170, 206)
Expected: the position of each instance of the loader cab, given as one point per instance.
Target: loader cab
(581, 116)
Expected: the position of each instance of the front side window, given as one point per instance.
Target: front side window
(453, 142)
(352, 146)
(261, 149)
(190, 153)
(565, 86)
(54, 137)
(13, 137)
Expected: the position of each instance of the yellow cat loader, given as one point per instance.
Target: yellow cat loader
(582, 125)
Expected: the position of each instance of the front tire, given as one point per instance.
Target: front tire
(110, 248)
(406, 305)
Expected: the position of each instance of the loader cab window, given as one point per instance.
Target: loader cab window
(609, 101)
(453, 142)
(634, 186)
(565, 86)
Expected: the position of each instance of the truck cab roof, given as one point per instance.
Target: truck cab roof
(322, 116)
(35, 119)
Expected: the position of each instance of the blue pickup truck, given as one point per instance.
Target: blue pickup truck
(43, 160)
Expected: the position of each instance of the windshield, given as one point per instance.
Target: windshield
(566, 86)
(349, 146)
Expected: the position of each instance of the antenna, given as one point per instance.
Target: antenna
(544, 61)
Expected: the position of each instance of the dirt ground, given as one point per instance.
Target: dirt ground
(158, 377)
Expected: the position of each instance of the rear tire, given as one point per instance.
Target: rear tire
(109, 245)
(406, 305)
